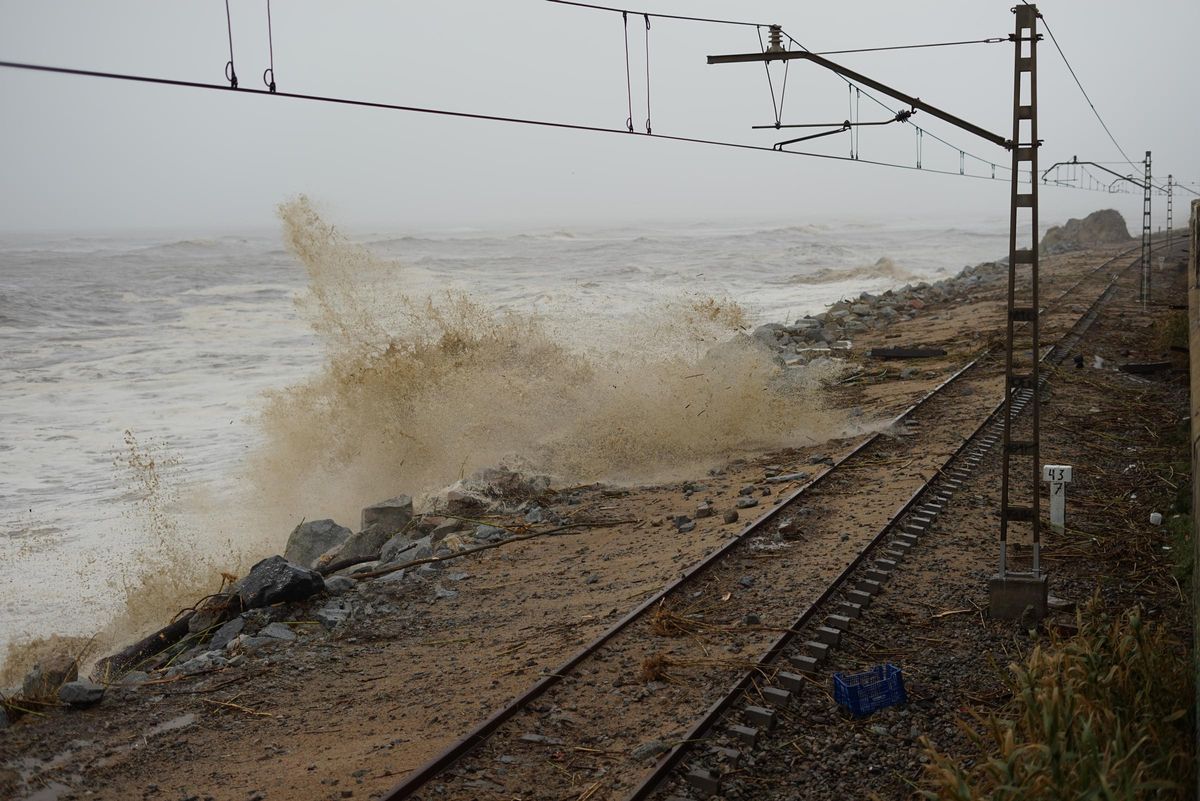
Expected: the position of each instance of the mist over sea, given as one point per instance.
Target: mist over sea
(176, 342)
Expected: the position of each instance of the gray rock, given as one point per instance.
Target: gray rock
(395, 577)
(490, 533)
(365, 545)
(445, 528)
(245, 642)
(339, 585)
(275, 580)
(226, 633)
(391, 515)
(861, 309)
(280, 631)
(684, 528)
(540, 739)
(730, 516)
(705, 510)
(780, 479)
(441, 593)
(746, 502)
(535, 515)
(312, 538)
(134, 678)
(80, 693)
(395, 547)
(768, 333)
(48, 675)
(210, 660)
(333, 613)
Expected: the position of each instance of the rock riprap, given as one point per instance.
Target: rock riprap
(309, 540)
(81, 693)
(276, 580)
(392, 515)
(48, 675)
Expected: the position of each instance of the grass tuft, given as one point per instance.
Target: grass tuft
(1106, 714)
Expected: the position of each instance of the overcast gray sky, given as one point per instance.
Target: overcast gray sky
(87, 154)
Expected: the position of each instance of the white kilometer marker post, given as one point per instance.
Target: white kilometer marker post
(1058, 476)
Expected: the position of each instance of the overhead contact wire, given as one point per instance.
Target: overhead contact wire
(147, 79)
(659, 16)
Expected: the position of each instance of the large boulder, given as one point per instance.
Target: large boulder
(275, 580)
(48, 675)
(312, 538)
(392, 515)
(1098, 228)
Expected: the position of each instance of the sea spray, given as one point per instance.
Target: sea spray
(419, 389)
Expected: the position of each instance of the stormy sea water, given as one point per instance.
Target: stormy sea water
(147, 384)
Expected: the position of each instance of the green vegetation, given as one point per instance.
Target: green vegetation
(1105, 714)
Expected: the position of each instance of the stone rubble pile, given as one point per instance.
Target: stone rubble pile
(831, 332)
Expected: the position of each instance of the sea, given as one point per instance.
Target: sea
(140, 375)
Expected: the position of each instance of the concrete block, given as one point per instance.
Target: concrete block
(828, 635)
(869, 586)
(705, 781)
(804, 663)
(924, 521)
(894, 554)
(886, 565)
(792, 682)
(1010, 596)
(859, 597)
(760, 717)
(839, 622)
(914, 528)
(727, 756)
(776, 696)
(875, 575)
(905, 538)
(817, 650)
(746, 734)
(850, 609)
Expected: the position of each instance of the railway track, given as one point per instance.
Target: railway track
(619, 716)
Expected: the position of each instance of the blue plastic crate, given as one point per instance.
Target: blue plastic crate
(871, 690)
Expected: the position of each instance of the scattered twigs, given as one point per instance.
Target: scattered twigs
(950, 612)
(569, 529)
(238, 707)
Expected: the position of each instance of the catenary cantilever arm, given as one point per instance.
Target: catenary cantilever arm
(914, 102)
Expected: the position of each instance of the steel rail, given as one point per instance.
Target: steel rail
(468, 742)
(668, 762)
